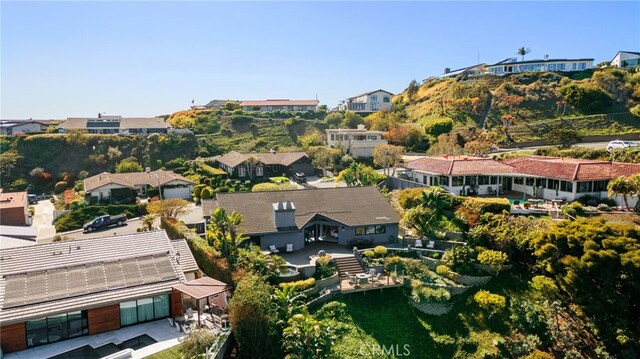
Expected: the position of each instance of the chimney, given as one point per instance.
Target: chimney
(284, 215)
(447, 70)
(99, 115)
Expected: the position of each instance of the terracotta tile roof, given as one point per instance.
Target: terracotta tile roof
(130, 180)
(350, 206)
(279, 102)
(13, 199)
(233, 158)
(458, 165)
(570, 169)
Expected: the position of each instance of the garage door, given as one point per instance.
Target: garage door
(177, 192)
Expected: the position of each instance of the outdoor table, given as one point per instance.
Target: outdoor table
(363, 276)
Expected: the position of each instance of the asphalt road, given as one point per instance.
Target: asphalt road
(130, 227)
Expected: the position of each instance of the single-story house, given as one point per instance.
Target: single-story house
(270, 164)
(626, 59)
(474, 70)
(15, 127)
(279, 105)
(124, 185)
(347, 216)
(512, 65)
(535, 176)
(14, 209)
(62, 290)
(115, 125)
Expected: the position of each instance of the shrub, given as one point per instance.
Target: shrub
(443, 270)
(604, 207)
(537, 354)
(324, 268)
(268, 187)
(421, 293)
(635, 110)
(493, 303)
(489, 205)
(60, 187)
(299, 286)
(380, 251)
(436, 126)
(587, 98)
(545, 285)
(197, 342)
(206, 193)
(369, 253)
(492, 258)
(394, 263)
(129, 165)
(237, 120)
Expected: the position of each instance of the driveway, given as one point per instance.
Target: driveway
(317, 182)
(129, 228)
(43, 220)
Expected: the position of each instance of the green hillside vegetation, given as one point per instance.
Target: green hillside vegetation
(527, 106)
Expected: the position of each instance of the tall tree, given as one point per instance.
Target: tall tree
(307, 338)
(168, 208)
(250, 165)
(225, 232)
(387, 157)
(357, 175)
(523, 51)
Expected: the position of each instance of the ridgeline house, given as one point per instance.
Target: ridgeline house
(512, 65)
(626, 59)
(14, 209)
(279, 105)
(348, 216)
(126, 186)
(264, 165)
(523, 176)
(368, 102)
(356, 142)
(61, 291)
(115, 125)
(15, 127)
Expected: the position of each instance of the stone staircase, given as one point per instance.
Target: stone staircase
(348, 264)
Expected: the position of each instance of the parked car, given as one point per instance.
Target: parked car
(32, 198)
(620, 144)
(105, 221)
(300, 177)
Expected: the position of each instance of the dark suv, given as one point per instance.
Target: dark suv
(300, 177)
(32, 198)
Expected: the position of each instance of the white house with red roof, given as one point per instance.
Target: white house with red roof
(536, 176)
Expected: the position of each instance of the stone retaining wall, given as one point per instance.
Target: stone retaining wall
(471, 281)
(451, 289)
(432, 308)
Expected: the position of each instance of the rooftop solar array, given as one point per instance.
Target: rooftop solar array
(44, 286)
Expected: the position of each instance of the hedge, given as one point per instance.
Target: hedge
(76, 218)
(489, 205)
(300, 285)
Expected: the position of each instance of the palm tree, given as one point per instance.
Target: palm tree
(621, 186)
(523, 51)
(147, 222)
(226, 228)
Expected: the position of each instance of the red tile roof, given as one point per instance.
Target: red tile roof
(571, 169)
(458, 165)
(280, 103)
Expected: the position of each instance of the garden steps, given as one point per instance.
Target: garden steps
(348, 264)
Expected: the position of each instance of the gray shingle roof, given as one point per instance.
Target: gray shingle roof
(187, 261)
(131, 179)
(350, 206)
(233, 158)
(65, 276)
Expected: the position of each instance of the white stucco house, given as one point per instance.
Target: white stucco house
(116, 124)
(368, 102)
(15, 127)
(279, 105)
(523, 176)
(169, 184)
(356, 142)
(626, 59)
(512, 65)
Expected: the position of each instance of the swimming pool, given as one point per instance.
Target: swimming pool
(88, 352)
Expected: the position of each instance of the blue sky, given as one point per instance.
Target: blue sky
(149, 58)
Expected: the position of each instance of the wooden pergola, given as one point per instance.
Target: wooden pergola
(201, 288)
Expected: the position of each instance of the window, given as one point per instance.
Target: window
(483, 180)
(444, 181)
(551, 67)
(530, 181)
(128, 313)
(582, 66)
(56, 327)
(600, 186)
(457, 181)
(560, 67)
(242, 172)
(381, 229)
(574, 66)
(553, 184)
(360, 231)
(518, 180)
(374, 98)
(494, 180)
(566, 186)
(386, 99)
(584, 187)
(144, 310)
(259, 171)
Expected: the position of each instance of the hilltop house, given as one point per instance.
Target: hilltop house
(368, 102)
(534, 176)
(14, 209)
(357, 142)
(512, 65)
(62, 290)
(125, 186)
(474, 70)
(346, 216)
(263, 165)
(115, 125)
(15, 127)
(279, 105)
(626, 59)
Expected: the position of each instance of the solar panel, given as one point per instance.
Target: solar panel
(147, 267)
(131, 272)
(164, 268)
(115, 277)
(77, 281)
(96, 280)
(14, 290)
(57, 284)
(36, 287)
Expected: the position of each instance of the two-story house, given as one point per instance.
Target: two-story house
(367, 102)
(356, 142)
(626, 59)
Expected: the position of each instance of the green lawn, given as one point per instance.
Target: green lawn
(279, 179)
(386, 318)
(171, 353)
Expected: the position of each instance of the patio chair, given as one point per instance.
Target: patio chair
(190, 312)
(516, 203)
(352, 279)
(273, 249)
(418, 243)
(289, 247)
(375, 279)
(186, 329)
(171, 322)
(372, 272)
(431, 244)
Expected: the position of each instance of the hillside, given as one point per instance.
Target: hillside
(527, 106)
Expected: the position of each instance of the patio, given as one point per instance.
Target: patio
(308, 254)
(366, 282)
(204, 304)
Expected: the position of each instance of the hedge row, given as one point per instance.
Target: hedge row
(76, 218)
